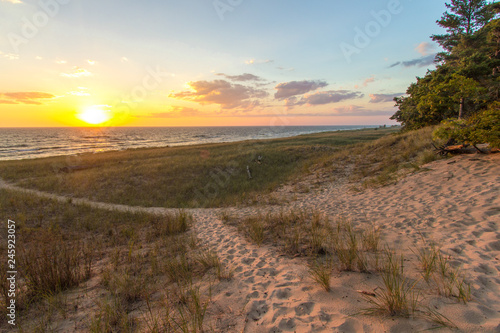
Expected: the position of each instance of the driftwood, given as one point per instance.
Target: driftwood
(456, 149)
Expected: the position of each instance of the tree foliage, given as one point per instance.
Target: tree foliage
(466, 80)
(464, 19)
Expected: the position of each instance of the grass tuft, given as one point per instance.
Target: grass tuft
(398, 296)
(320, 272)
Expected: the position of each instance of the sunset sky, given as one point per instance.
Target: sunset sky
(210, 63)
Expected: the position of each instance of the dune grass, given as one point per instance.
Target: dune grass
(130, 257)
(385, 160)
(208, 175)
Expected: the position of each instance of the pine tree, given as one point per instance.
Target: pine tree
(464, 19)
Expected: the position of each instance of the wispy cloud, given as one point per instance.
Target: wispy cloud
(228, 95)
(12, 1)
(175, 112)
(419, 62)
(34, 98)
(77, 72)
(291, 69)
(10, 56)
(253, 61)
(79, 93)
(383, 98)
(242, 77)
(293, 88)
(366, 82)
(355, 110)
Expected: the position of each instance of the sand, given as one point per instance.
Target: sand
(454, 203)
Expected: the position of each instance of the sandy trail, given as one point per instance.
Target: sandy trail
(266, 288)
(454, 203)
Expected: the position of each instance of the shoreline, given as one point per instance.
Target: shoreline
(182, 144)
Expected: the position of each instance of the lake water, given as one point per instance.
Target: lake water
(25, 143)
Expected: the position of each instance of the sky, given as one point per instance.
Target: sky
(210, 62)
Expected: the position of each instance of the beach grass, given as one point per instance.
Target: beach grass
(210, 175)
(127, 256)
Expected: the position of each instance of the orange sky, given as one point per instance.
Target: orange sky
(190, 65)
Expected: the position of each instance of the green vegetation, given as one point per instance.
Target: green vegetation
(195, 176)
(463, 90)
(398, 296)
(331, 243)
(385, 160)
(127, 257)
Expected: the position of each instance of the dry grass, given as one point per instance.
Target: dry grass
(387, 159)
(320, 272)
(398, 296)
(314, 235)
(137, 254)
(193, 176)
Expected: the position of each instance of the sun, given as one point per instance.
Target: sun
(95, 114)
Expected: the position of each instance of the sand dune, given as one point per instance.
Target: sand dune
(454, 203)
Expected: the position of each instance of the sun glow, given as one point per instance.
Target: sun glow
(95, 115)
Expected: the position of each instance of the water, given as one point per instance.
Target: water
(26, 143)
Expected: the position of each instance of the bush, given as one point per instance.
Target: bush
(480, 128)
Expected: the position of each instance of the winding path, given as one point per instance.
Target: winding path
(456, 204)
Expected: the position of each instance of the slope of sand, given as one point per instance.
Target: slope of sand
(454, 203)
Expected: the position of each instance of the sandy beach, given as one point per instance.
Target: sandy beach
(452, 203)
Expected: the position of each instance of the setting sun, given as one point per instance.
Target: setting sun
(95, 115)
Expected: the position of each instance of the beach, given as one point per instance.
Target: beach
(449, 204)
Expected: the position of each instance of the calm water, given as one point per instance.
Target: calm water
(23, 143)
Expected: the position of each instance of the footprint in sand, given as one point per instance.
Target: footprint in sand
(304, 309)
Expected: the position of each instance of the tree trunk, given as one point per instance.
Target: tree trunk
(461, 111)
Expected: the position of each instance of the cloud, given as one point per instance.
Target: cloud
(10, 56)
(78, 93)
(383, 98)
(222, 92)
(6, 101)
(77, 72)
(294, 88)
(291, 69)
(253, 61)
(419, 62)
(355, 110)
(425, 48)
(369, 80)
(175, 112)
(242, 77)
(24, 97)
(325, 97)
(13, 1)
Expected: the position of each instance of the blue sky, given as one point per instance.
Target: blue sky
(204, 62)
